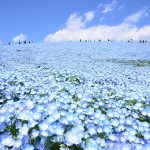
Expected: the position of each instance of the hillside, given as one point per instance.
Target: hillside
(75, 95)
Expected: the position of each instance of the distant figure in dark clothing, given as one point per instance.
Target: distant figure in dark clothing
(80, 40)
(25, 42)
(9, 43)
(29, 42)
(108, 40)
(19, 42)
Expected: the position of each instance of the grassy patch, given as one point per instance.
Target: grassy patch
(136, 63)
(73, 79)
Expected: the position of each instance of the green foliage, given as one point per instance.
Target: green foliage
(144, 119)
(139, 135)
(75, 98)
(102, 135)
(74, 79)
(12, 129)
(132, 102)
(95, 99)
(75, 147)
(11, 83)
(34, 140)
(51, 145)
(43, 95)
(35, 127)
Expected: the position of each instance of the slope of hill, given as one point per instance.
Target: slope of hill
(75, 95)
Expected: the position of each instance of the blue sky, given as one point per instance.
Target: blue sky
(38, 19)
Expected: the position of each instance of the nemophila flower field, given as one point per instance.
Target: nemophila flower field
(89, 96)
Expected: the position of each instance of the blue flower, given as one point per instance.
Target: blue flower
(18, 143)
(28, 147)
(43, 126)
(24, 130)
(59, 130)
(115, 122)
(91, 146)
(8, 141)
(35, 133)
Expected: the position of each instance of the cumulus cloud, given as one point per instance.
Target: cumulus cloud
(89, 16)
(103, 32)
(76, 29)
(106, 8)
(20, 37)
(136, 16)
(76, 22)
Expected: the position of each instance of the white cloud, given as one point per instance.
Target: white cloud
(136, 16)
(106, 8)
(75, 22)
(20, 37)
(89, 16)
(119, 32)
(76, 29)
